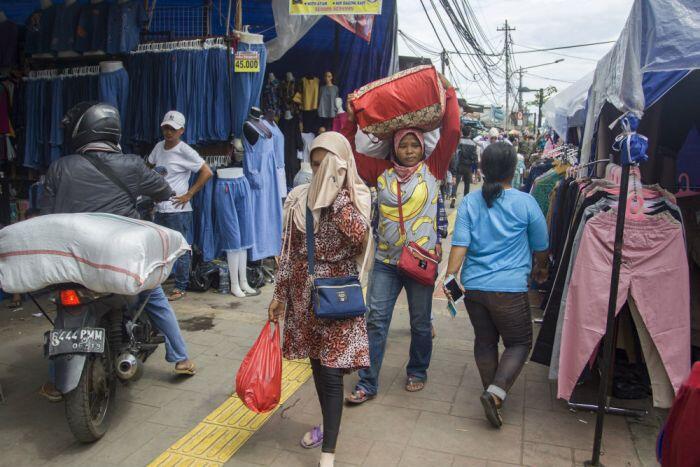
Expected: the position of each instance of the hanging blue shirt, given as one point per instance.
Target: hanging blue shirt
(92, 28)
(500, 240)
(124, 24)
(65, 26)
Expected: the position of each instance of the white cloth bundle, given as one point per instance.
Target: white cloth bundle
(103, 252)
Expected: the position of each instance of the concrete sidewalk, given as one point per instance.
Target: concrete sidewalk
(443, 425)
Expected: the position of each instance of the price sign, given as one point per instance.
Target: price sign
(247, 62)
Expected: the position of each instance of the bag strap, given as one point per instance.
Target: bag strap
(310, 253)
(105, 170)
(401, 226)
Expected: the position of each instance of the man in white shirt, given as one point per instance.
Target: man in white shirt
(178, 161)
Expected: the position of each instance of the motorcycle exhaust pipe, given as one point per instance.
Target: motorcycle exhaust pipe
(128, 367)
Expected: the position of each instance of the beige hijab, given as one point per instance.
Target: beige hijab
(337, 171)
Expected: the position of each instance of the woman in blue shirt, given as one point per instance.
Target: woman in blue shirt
(497, 230)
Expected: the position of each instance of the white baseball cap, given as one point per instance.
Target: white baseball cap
(174, 119)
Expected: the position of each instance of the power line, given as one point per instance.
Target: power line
(563, 47)
(559, 54)
(551, 79)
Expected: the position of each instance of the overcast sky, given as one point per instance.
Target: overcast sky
(539, 24)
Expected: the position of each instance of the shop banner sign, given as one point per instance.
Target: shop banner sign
(335, 7)
(247, 62)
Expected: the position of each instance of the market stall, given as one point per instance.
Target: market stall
(214, 64)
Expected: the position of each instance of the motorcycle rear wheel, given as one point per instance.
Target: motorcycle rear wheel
(88, 405)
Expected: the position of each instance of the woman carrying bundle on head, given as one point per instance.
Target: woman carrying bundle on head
(408, 187)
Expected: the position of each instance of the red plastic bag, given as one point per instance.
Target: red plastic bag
(259, 378)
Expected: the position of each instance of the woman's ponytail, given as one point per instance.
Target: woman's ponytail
(498, 167)
(491, 191)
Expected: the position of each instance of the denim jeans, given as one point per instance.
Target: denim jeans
(384, 288)
(163, 316)
(181, 222)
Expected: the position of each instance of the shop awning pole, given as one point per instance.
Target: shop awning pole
(228, 18)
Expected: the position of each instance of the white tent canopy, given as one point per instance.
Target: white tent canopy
(562, 110)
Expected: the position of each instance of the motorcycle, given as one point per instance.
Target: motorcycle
(97, 340)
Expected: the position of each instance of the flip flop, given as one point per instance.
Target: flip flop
(493, 415)
(359, 396)
(176, 295)
(316, 437)
(414, 384)
(14, 305)
(187, 371)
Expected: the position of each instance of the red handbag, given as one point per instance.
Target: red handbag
(415, 261)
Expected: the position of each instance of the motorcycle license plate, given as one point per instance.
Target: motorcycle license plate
(77, 340)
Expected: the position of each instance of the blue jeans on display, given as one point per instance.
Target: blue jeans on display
(181, 222)
(385, 286)
(32, 99)
(165, 320)
(202, 205)
(57, 113)
(114, 90)
(247, 87)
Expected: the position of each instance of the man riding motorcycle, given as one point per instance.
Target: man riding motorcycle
(99, 178)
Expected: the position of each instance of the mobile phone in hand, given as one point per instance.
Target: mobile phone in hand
(455, 290)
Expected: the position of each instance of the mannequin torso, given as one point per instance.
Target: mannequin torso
(3, 18)
(46, 4)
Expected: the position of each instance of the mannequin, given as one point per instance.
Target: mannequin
(45, 4)
(3, 17)
(254, 126)
(68, 18)
(327, 107)
(98, 51)
(121, 2)
(109, 67)
(237, 259)
(69, 2)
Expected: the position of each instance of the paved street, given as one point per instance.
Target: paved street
(442, 425)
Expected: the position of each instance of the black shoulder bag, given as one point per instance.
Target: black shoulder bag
(109, 173)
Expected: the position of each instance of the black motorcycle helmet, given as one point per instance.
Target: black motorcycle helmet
(90, 122)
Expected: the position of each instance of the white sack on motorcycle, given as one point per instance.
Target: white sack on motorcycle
(103, 252)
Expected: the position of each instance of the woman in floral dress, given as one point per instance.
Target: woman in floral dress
(340, 204)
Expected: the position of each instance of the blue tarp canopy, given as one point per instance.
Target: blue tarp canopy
(657, 48)
(327, 46)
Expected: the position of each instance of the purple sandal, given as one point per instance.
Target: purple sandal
(316, 438)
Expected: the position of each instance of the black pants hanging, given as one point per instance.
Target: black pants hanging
(329, 387)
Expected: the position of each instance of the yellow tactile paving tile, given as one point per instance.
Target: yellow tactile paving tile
(217, 438)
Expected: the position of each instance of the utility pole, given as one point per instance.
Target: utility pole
(520, 87)
(507, 30)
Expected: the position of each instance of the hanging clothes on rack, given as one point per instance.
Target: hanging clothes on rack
(654, 281)
(293, 143)
(261, 172)
(247, 87)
